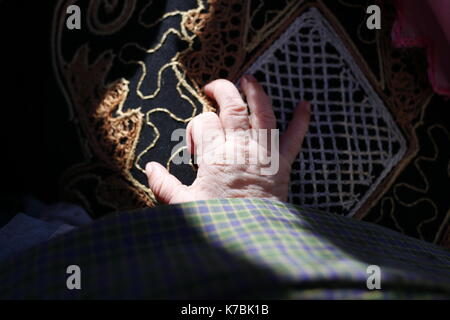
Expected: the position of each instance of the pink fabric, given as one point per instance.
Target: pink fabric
(426, 23)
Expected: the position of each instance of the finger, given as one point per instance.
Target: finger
(165, 186)
(233, 110)
(204, 133)
(292, 139)
(262, 116)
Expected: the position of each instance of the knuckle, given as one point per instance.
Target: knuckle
(268, 117)
(265, 120)
(235, 106)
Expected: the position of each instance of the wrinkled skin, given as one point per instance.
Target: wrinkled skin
(212, 137)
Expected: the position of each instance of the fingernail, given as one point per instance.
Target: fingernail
(243, 81)
(308, 106)
(148, 167)
(250, 77)
(207, 85)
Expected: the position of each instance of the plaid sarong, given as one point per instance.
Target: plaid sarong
(229, 248)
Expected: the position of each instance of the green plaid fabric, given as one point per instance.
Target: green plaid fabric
(229, 248)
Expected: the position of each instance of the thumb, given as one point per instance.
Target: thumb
(165, 186)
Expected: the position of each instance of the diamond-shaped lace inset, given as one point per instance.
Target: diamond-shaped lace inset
(353, 142)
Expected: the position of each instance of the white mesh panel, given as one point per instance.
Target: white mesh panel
(353, 142)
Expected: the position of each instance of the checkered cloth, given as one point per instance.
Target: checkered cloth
(232, 248)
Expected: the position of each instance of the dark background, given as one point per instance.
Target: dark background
(38, 140)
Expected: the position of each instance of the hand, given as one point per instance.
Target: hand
(213, 138)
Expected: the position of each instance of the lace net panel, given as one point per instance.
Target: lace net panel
(353, 142)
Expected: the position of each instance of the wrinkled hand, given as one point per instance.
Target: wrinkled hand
(214, 137)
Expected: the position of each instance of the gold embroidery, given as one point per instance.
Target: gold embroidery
(113, 133)
(219, 32)
(425, 189)
(273, 19)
